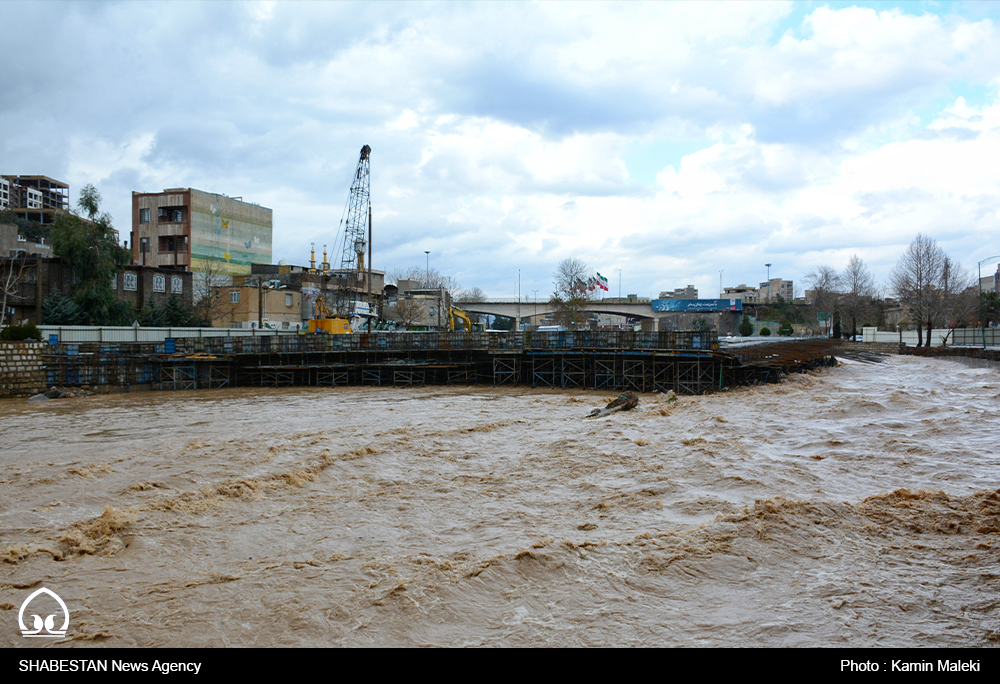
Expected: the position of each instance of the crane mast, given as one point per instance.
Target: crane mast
(356, 227)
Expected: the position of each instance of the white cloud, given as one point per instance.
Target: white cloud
(498, 130)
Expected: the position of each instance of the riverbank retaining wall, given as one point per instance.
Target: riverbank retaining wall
(22, 368)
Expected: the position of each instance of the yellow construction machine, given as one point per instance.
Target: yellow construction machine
(326, 322)
(466, 322)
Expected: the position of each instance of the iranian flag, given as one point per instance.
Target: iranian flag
(602, 282)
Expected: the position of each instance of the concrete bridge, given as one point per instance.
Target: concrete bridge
(509, 307)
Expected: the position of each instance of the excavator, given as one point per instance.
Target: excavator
(463, 318)
(327, 322)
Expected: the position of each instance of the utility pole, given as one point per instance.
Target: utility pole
(427, 273)
(720, 283)
(535, 295)
(768, 282)
(619, 286)
(370, 269)
(982, 319)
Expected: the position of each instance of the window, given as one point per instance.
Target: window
(130, 281)
(288, 300)
(159, 283)
(234, 296)
(284, 325)
(176, 284)
(144, 216)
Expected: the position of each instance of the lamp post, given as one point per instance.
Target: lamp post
(534, 294)
(427, 273)
(768, 281)
(720, 283)
(619, 285)
(982, 320)
(261, 289)
(519, 299)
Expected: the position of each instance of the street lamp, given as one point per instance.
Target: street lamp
(535, 296)
(720, 283)
(427, 273)
(261, 288)
(619, 285)
(982, 319)
(768, 281)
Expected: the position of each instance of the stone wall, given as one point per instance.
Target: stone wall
(22, 368)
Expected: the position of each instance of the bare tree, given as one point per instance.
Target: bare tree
(571, 294)
(210, 302)
(859, 285)
(825, 284)
(409, 310)
(10, 280)
(915, 278)
(472, 296)
(430, 279)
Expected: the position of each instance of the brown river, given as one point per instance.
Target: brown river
(852, 506)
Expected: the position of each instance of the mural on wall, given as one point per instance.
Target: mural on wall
(230, 234)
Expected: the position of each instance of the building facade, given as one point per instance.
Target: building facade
(255, 302)
(34, 198)
(192, 230)
(14, 244)
(689, 292)
(743, 292)
(776, 287)
(142, 285)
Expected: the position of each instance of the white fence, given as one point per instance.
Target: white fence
(958, 337)
(87, 333)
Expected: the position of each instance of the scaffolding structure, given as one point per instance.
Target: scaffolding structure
(562, 360)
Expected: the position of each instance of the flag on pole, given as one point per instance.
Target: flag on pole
(602, 282)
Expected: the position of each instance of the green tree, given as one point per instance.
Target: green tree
(90, 247)
(785, 329)
(58, 309)
(765, 332)
(746, 327)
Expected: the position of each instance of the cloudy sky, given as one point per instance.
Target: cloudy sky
(669, 140)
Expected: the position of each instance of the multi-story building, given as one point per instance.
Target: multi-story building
(253, 301)
(776, 287)
(689, 292)
(14, 244)
(326, 284)
(34, 198)
(191, 230)
(748, 295)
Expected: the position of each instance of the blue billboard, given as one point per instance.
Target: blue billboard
(697, 304)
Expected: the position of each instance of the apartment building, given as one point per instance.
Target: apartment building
(743, 292)
(689, 292)
(776, 287)
(191, 230)
(34, 198)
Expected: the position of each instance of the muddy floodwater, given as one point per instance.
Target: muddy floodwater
(852, 506)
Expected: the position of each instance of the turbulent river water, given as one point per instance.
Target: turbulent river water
(852, 506)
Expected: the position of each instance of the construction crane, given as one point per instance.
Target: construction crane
(356, 220)
(356, 234)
